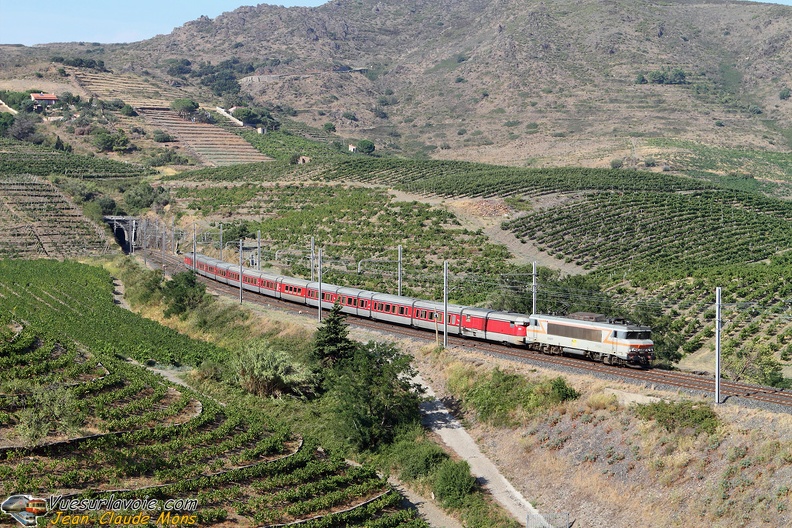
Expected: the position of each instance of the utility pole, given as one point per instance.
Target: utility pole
(258, 244)
(240, 271)
(717, 344)
(320, 286)
(132, 242)
(312, 259)
(164, 233)
(195, 247)
(445, 304)
(400, 270)
(533, 290)
(221, 241)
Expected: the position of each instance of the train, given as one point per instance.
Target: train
(593, 336)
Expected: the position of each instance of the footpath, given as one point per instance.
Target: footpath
(437, 417)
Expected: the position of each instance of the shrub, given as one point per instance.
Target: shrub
(616, 163)
(454, 483)
(128, 111)
(265, 371)
(420, 459)
(160, 136)
(784, 94)
(681, 416)
(329, 127)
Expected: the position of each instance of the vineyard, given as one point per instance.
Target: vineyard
(210, 143)
(132, 433)
(354, 223)
(649, 238)
(37, 220)
(139, 92)
(459, 178)
(659, 231)
(17, 157)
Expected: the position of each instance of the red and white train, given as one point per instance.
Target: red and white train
(589, 335)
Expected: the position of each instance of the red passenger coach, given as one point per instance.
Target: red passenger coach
(599, 339)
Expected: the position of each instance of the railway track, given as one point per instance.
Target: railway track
(648, 377)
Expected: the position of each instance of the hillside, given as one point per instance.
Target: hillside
(514, 81)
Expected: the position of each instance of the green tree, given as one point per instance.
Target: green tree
(23, 127)
(656, 77)
(332, 342)
(365, 146)
(266, 371)
(184, 107)
(753, 363)
(676, 76)
(373, 395)
(183, 293)
(144, 195)
(247, 116)
(784, 94)
(329, 127)
(6, 120)
(107, 205)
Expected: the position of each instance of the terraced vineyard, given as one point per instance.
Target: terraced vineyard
(757, 305)
(647, 232)
(139, 92)
(134, 435)
(211, 144)
(18, 157)
(459, 178)
(36, 219)
(358, 223)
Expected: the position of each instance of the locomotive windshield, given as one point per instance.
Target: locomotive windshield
(643, 334)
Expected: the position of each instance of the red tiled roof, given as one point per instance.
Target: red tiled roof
(44, 97)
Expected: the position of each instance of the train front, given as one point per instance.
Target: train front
(640, 347)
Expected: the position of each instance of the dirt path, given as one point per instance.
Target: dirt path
(487, 215)
(436, 416)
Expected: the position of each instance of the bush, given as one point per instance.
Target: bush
(454, 483)
(784, 94)
(183, 293)
(681, 416)
(329, 127)
(420, 459)
(160, 136)
(265, 371)
(616, 163)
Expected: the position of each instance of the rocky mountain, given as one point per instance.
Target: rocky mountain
(523, 82)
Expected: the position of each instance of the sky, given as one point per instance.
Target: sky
(109, 21)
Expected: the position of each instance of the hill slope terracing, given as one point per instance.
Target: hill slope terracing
(211, 144)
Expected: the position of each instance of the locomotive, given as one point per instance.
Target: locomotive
(614, 342)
